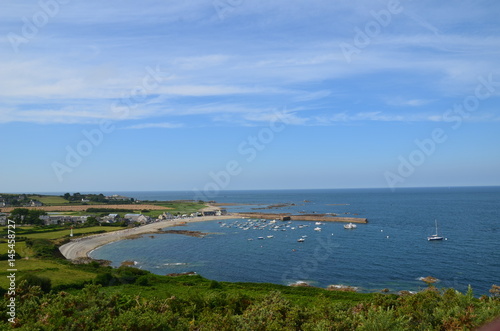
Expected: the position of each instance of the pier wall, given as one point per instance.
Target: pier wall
(313, 218)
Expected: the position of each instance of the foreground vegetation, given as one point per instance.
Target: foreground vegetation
(117, 301)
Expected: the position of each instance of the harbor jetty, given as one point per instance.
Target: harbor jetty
(304, 217)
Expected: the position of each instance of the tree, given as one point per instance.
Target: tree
(92, 221)
(19, 215)
(34, 216)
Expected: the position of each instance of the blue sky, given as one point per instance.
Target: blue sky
(238, 94)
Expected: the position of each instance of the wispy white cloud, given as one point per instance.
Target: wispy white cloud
(213, 90)
(161, 125)
(398, 101)
(379, 116)
(261, 56)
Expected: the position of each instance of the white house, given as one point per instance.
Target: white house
(111, 218)
(137, 218)
(166, 216)
(35, 203)
(220, 212)
(3, 219)
(51, 220)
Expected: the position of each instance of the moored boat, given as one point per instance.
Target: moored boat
(350, 226)
(435, 236)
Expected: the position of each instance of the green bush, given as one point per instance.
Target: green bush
(215, 285)
(44, 248)
(231, 306)
(144, 280)
(6, 256)
(44, 283)
(105, 279)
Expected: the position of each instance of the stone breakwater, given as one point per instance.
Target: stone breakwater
(313, 218)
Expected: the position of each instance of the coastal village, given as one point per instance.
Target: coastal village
(98, 209)
(8, 203)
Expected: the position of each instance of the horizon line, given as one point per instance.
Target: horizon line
(264, 189)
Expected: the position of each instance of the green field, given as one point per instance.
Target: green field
(49, 200)
(76, 232)
(59, 273)
(181, 207)
(20, 248)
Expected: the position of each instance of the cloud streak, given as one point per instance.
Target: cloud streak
(257, 58)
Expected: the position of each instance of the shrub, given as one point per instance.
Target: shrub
(144, 280)
(44, 283)
(105, 279)
(214, 285)
(6, 256)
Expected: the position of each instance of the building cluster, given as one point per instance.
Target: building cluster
(55, 219)
(18, 201)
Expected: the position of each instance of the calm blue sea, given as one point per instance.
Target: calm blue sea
(391, 251)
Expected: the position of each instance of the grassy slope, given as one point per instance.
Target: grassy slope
(59, 272)
(53, 235)
(63, 273)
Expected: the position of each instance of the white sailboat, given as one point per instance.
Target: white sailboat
(435, 236)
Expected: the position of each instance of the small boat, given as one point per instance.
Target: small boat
(260, 238)
(435, 236)
(317, 229)
(270, 237)
(301, 240)
(319, 223)
(350, 226)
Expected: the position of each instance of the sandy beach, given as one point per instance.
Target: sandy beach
(81, 247)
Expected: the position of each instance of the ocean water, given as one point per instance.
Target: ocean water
(390, 251)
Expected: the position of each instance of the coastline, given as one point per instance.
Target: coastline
(82, 247)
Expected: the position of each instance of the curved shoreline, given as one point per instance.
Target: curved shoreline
(81, 247)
